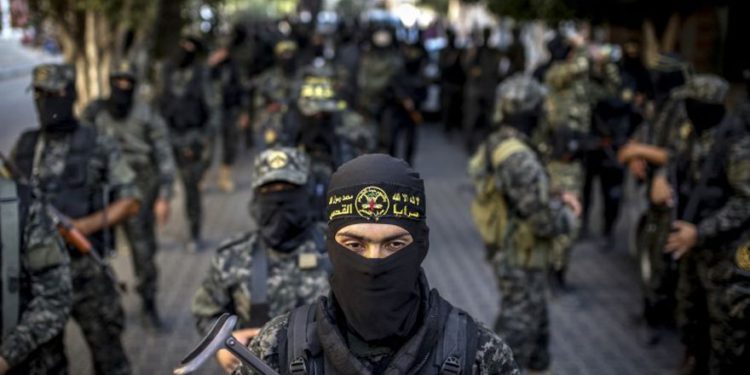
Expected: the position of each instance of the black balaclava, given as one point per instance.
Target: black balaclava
(379, 298)
(56, 111)
(704, 115)
(283, 217)
(120, 101)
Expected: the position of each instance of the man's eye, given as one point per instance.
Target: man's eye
(395, 245)
(353, 245)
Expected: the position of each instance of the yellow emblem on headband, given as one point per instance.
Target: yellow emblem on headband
(372, 203)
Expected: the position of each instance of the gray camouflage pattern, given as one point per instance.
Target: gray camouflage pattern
(96, 302)
(227, 287)
(523, 320)
(34, 347)
(284, 164)
(493, 355)
(708, 88)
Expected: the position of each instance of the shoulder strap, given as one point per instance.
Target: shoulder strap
(259, 308)
(457, 348)
(300, 334)
(24, 158)
(10, 236)
(505, 149)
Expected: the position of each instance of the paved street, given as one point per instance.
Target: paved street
(594, 330)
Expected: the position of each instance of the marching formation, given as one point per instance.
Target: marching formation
(328, 277)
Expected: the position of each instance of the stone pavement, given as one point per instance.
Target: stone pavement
(594, 330)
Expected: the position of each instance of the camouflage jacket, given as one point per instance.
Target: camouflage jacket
(493, 356)
(689, 152)
(46, 291)
(227, 287)
(272, 86)
(376, 70)
(572, 92)
(143, 138)
(525, 184)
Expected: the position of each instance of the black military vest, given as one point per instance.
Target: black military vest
(71, 193)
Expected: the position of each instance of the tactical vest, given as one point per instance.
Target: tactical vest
(186, 111)
(14, 284)
(71, 192)
(260, 308)
(498, 225)
(300, 352)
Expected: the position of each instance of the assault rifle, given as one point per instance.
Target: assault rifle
(220, 337)
(63, 223)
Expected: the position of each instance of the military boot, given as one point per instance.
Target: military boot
(226, 184)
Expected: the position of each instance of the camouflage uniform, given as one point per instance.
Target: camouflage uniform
(483, 75)
(35, 345)
(568, 120)
(377, 68)
(713, 298)
(181, 92)
(535, 217)
(294, 278)
(96, 300)
(493, 356)
(272, 92)
(143, 137)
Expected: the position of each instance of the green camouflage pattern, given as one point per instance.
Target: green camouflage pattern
(53, 77)
(281, 164)
(376, 70)
(227, 287)
(34, 346)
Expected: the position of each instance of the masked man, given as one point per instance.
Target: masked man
(381, 316)
(79, 170)
(142, 135)
(275, 268)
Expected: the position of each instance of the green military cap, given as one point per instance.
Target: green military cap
(707, 88)
(281, 164)
(123, 69)
(53, 77)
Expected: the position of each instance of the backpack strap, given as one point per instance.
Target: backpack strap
(300, 340)
(504, 150)
(259, 308)
(457, 349)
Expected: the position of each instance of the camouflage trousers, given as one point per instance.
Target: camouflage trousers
(713, 311)
(565, 176)
(49, 359)
(97, 310)
(523, 321)
(141, 234)
(191, 173)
